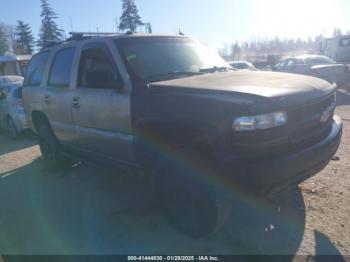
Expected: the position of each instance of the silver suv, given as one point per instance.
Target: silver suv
(172, 108)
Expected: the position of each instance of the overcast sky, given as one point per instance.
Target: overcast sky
(214, 22)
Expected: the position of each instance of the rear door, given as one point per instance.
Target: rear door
(58, 94)
(101, 104)
(33, 85)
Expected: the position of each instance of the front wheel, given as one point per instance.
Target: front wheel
(186, 199)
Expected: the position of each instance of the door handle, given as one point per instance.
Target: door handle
(47, 99)
(76, 102)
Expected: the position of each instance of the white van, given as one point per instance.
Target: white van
(337, 48)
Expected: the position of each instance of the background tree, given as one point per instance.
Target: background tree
(117, 24)
(337, 32)
(49, 30)
(24, 41)
(148, 28)
(235, 51)
(130, 18)
(3, 41)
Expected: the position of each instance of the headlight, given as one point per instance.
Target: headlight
(265, 121)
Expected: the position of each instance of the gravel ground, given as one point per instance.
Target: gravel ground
(82, 209)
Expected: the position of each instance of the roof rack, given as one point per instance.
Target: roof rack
(75, 36)
(91, 34)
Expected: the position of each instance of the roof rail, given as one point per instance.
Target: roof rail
(52, 43)
(79, 36)
(91, 34)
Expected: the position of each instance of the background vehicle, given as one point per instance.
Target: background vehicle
(337, 48)
(242, 65)
(316, 65)
(12, 115)
(13, 64)
(4, 80)
(172, 109)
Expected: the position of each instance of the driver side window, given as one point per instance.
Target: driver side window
(97, 68)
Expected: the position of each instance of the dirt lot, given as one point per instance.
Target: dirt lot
(82, 209)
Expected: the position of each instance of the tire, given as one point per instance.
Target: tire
(269, 225)
(48, 143)
(13, 132)
(188, 202)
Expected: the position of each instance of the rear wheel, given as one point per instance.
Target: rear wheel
(187, 200)
(12, 128)
(48, 143)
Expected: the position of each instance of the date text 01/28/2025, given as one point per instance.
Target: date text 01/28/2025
(173, 258)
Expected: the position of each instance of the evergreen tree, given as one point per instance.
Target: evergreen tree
(337, 32)
(130, 18)
(49, 30)
(24, 41)
(3, 41)
(148, 28)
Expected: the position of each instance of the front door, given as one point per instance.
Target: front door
(101, 105)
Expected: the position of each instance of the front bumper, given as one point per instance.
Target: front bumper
(270, 176)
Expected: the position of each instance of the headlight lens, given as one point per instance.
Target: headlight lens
(265, 121)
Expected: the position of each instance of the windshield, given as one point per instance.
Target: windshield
(344, 42)
(150, 58)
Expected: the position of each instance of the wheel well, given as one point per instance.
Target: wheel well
(153, 141)
(37, 118)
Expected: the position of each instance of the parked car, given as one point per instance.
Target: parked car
(316, 65)
(173, 110)
(12, 115)
(239, 65)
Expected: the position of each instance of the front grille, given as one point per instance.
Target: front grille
(305, 122)
(304, 129)
(309, 110)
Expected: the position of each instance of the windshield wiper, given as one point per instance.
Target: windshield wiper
(216, 69)
(174, 74)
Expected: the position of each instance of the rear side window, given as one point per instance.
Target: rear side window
(36, 69)
(61, 68)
